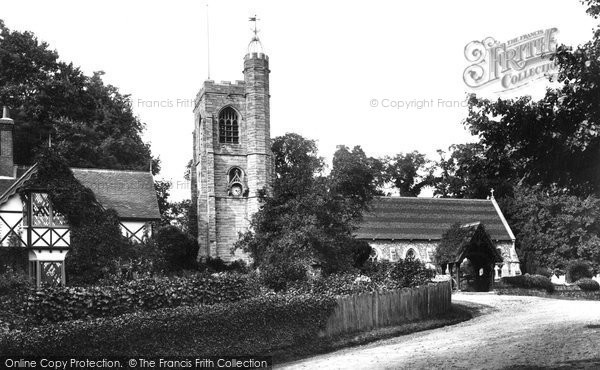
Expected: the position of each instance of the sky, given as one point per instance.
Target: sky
(385, 75)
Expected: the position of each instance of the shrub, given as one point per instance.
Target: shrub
(577, 270)
(336, 284)
(405, 273)
(529, 282)
(218, 265)
(135, 261)
(589, 285)
(13, 259)
(179, 249)
(14, 282)
(279, 276)
(410, 272)
(374, 276)
(378, 271)
(250, 327)
(67, 303)
(361, 251)
(544, 271)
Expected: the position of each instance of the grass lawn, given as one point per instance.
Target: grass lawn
(457, 314)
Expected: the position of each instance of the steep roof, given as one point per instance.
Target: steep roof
(469, 236)
(130, 193)
(405, 218)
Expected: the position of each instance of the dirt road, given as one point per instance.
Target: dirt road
(512, 332)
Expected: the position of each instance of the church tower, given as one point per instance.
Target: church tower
(232, 155)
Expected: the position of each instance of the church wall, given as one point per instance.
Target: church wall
(394, 250)
(222, 166)
(511, 265)
(388, 250)
(230, 221)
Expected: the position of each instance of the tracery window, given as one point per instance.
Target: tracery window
(228, 126)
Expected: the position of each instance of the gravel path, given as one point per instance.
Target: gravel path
(513, 332)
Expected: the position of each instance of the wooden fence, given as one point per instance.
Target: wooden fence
(367, 311)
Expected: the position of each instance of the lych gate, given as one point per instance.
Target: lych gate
(475, 246)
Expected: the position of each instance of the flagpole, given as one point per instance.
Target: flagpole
(207, 42)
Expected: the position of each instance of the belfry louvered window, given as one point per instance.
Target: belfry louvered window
(228, 126)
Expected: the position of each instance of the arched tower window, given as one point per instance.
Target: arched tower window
(228, 126)
(236, 182)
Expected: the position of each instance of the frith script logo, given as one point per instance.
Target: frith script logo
(511, 64)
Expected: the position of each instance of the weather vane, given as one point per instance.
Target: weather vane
(255, 45)
(255, 19)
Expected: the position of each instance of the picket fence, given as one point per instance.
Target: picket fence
(367, 311)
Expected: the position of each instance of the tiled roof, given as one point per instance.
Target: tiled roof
(471, 234)
(427, 218)
(5, 184)
(130, 193)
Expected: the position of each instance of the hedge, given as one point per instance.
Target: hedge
(530, 282)
(250, 327)
(589, 285)
(55, 304)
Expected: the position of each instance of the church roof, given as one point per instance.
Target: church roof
(409, 218)
(130, 193)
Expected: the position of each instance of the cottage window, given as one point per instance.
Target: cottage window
(411, 254)
(228, 126)
(42, 212)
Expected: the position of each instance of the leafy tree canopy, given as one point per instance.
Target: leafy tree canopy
(307, 217)
(553, 228)
(554, 141)
(408, 172)
(91, 124)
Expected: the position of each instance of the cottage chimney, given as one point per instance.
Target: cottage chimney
(7, 127)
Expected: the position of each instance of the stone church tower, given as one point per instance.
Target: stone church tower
(232, 155)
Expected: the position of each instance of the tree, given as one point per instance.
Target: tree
(162, 188)
(91, 124)
(309, 218)
(468, 173)
(554, 141)
(179, 249)
(180, 214)
(408, 172)
(553, 228)
(355, 178)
